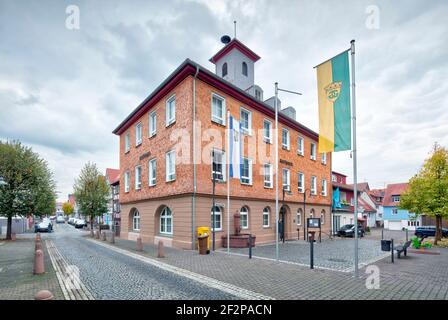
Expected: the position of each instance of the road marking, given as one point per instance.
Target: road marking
(204, 280)
(69, 281)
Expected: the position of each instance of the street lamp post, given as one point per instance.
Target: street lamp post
(214, 203)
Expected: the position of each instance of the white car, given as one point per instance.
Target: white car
(71, 221)
(60, 219)
(44, 226)
(80, 223)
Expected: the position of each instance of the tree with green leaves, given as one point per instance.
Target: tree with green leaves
(68, 209)
(91, 192)
(26, 183)
(427, 192)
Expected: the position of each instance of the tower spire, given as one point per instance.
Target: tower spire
(234, 29)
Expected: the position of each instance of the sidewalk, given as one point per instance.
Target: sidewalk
(17, 281)
(413, 277)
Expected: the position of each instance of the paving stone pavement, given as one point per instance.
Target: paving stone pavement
(416, 276)
(17, 281)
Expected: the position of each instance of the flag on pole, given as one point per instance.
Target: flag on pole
(333, 88)
(235, 147)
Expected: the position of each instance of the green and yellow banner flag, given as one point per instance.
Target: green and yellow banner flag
(333, 88)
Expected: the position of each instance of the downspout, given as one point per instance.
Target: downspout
(193, 202)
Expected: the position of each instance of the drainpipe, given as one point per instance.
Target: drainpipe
(193, 202)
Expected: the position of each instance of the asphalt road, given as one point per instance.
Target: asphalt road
(111, 275)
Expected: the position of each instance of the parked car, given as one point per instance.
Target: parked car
(60, 219)
(80, 223)
(429, 231)
(71, 221)
(44, 226)
(348, 230)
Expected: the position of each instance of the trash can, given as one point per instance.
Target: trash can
(201, 232)
(385, 245)
(203, 241)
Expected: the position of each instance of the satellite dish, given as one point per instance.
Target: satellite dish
(225, 39)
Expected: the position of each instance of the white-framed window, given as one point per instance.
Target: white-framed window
(219, 164)
(322, 217)
(244, 69)
(333, 178)
(127, 181)
(138, 134)
(136, 220)
(300, 146)
(267, 131)
(323, 158)
(299, 217)
(324, 187)
(268, 183)
(127, 142)
(246, 171)
(257, 94)
(224, 69)
(166, 221)
(246, 121)
(138, 177)
(285, 138)
(395, 198)
(286, 179)
(300, 182)
(218, 109)
(313, 151)
(152, 172)
(313, 185)
(171, 165)
(170, 110)
(266, 217)
(217, 225)
(394, 211)
(312, 213)
(152, 123)
(244, 212)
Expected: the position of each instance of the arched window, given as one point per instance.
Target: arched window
(166, 221)
(217, 226)
(224, 69)
(322, 217)
(244, 218)
(266, 217)
(136, 220)
(312, 213)
(244, 68)
(299, 216)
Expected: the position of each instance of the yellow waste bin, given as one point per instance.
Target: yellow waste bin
(201, 232)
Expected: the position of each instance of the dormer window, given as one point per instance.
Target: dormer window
(244, 69)
(224, 69)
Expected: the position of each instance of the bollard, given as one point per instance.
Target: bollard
(250, 246)
(97, 234)
(38, 237)
(43, 295)
(161, 250)
(104, 235)
(392, 249)
(38, 245)
(39, 262)
(139, 244)
(112, 237)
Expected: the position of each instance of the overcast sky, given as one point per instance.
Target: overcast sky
(63, 91)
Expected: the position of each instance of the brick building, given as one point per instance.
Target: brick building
(166, 157)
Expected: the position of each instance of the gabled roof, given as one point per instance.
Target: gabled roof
(376, 193)
(112, 174)
(188, 68)
(237, 45)
(363, 186)
(366, 206)
(394, 189)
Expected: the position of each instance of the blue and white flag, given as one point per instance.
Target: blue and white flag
(235, 146)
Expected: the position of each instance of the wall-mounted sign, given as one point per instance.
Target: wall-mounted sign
(285, 162)
(145, 155)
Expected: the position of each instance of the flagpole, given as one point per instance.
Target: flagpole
(228, 183)
(276, 170)
(355, 172)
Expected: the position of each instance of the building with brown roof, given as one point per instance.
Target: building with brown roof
(396, 218)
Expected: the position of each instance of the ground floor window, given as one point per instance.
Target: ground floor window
(244, 218)
(166, 221)
(412, 223)
(217, 224)
(266, 214)
(322, 217)
(136, 220)
(299, 217)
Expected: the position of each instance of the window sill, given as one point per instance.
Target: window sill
(152, 136)
(312, 159)
(166, 235)
(285, 148)
(300, 154)
(246, 184)
(170, 124)
(219, 123)
(266, 187)
(126, 152)
(266, 140)
(267, 227)
(138, 145)
(151, 185)
(170, 181)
